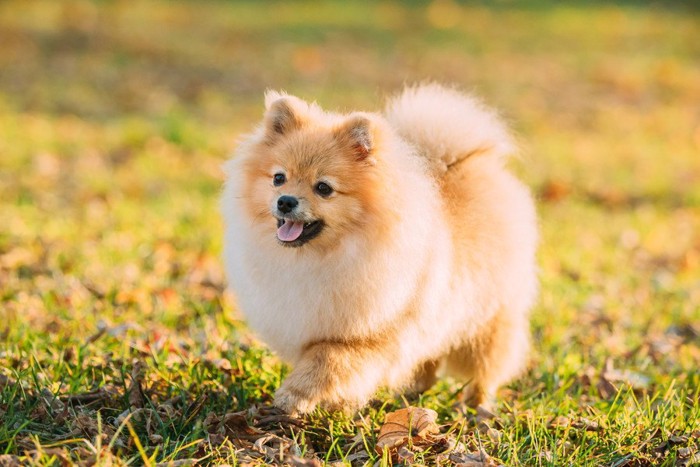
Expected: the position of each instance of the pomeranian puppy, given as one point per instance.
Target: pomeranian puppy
(380, 250)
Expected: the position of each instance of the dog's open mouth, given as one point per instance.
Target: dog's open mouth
(296, 233)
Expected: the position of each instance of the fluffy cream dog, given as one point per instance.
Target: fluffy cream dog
(375, 250)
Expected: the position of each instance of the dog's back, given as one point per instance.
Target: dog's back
(447, 126)
(492, 219)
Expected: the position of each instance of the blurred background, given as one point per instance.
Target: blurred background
(580, 81)
(115, 117)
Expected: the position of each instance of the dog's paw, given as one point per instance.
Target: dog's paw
(292, 402)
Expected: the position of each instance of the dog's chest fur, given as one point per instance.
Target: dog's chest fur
(294, 299)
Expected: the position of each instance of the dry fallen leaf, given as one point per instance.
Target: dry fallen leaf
(412, 423)
(299, 462)
(586, 424)
(560, 422)
(494, 435)
(675, 439)
(566, 447)
(51, 401)
(5, 381)
(359, 457)
(135, 391)
(611, 379)
(555, 190)
(471, 459)
(104, 395)
(690, 459)
(234, 425)
(272, 447)
(405, 455)
(178, 463)
(8, 460)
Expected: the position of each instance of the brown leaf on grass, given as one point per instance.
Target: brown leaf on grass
(483, 414)
(52, 402)
(222, 364)
(485, 426)
(25, 443)
(359, 457)
(8, 460)
(281, 419)
(5, 381)
(494, 435)
(687, 458)
(213, 439)
(234, 425)
(554, 190)
(100, 332)
(137, 415)
(606, 389)
(586, 424)
(688, 332)
(614, 198)
(675, 439)
(135, 391)
(472, 459)
(103, 395)
(560, 422)
(579, 423)
(566, 447)
(411, 424)
(178, 463)
(250, 445)
(300, 462)
(405, 455)
(195, 407)
(62, 456)
(89, 458)
(168, 409)
(612, 379)
(86, 425)
(274, 447)
(273, 419)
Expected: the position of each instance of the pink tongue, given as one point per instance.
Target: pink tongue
(290, 231)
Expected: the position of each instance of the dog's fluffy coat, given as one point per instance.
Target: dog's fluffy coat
(425, 261)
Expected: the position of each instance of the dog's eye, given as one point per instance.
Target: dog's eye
(279, 179)
(323, 189)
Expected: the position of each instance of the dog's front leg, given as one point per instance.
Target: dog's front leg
(335, 374)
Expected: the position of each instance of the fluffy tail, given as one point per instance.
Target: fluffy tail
(448, 126)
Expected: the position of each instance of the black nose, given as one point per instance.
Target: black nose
(286, 203)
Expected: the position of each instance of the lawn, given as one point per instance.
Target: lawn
(118, 342)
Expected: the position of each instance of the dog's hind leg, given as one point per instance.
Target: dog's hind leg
(493, 356)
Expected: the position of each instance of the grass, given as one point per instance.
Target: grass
(115, 119)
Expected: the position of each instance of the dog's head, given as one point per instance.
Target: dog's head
(312, 177)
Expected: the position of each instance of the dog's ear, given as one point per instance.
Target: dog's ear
(284, 113)
(357, 135)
